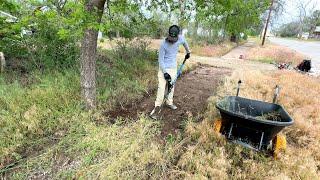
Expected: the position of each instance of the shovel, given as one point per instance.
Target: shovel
(171, 83)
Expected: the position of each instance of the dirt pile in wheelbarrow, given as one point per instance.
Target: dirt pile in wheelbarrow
(191, 93)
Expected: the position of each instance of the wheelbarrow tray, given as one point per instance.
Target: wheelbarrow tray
(240, 115)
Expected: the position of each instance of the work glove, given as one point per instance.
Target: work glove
(187, 56)
(167, 77)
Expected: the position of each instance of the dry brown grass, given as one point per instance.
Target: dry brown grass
(200, 50)
(274, 53)
(213, 50)
(155, 43)
(107, 43)
(299, 96)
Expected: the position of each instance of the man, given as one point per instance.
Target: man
(168, 67)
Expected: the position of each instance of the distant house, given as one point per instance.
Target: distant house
(316, 33)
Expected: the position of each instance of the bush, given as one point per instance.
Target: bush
(49, 42)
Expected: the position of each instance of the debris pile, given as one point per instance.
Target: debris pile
(272, 116)
(305, 65)
(283, 65)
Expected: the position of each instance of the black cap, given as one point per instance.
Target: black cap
(174, 31)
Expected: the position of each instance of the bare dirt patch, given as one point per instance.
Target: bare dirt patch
(191, 94)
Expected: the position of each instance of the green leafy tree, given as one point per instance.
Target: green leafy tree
(288, 30)
(314, 19)
(42, 37)
(230, 17)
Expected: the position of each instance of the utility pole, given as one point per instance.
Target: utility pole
(267, 23)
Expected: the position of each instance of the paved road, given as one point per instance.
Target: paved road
(311, 49)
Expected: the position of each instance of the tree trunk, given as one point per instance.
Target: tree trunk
(117, 34)
(182, 12)
(88, 56)
(225, 28)
(2, 62)
(196, 26)
(266, 28)
(88, 68)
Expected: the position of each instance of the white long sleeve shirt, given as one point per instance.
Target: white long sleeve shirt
(168, 53)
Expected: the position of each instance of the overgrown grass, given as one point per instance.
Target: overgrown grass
(271, 53)
(128, 150)
(80, 148)
(29, 114)
(131, 149)
(110, 151)
(128, 70)
(39, 115)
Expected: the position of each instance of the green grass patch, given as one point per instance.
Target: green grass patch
(266, 60)
(30, 113)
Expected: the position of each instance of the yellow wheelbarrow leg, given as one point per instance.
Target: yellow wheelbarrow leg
(217, 125)
(279, 144)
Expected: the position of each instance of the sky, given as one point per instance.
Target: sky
(291, 12)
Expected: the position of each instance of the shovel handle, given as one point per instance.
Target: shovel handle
(179, 72)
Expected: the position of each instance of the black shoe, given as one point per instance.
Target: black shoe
(155, 112)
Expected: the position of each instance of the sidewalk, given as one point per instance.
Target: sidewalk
(231, 60)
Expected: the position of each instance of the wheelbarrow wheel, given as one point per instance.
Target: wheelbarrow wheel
(279, 144)
(217, 125)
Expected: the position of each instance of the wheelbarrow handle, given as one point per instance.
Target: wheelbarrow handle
(276, 94)
(238, 89)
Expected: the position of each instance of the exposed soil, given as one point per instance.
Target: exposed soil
(191, 93)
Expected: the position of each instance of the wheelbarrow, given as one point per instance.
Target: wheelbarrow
(253, 124)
